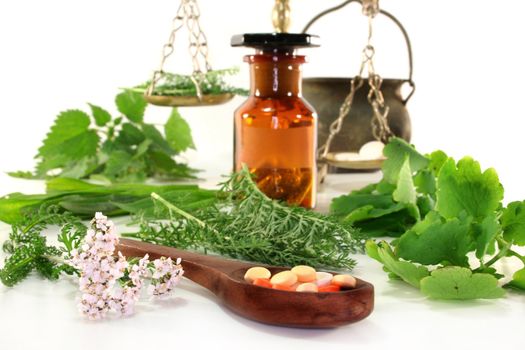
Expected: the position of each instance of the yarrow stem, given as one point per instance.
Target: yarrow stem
(100, 271)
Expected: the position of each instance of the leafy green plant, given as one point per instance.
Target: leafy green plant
(448, 217)
(123, 149)
(212, 83)
(29, 251)
(82, 198)
(245, 224)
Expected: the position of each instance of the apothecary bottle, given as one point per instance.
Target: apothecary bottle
(275, 128)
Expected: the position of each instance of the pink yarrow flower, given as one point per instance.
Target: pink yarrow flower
(100, 271)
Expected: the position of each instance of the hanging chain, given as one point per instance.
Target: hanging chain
(281, 16)
(188, 15)
(380, 129)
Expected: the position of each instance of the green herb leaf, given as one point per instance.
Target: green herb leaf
(178, 133)
(518, 280)
(485, 235)
(437, 159)
(425, 182)
(153, 134)
(344, 205)
(101, 116)
(396, 151)
(513, 222)
(460, 283)
(405, 191)
(117, 163)
(130, 135)
(28, 250)
(435, 240)
(132, 105)
(466, 188)
(408, 272)
(67, 125)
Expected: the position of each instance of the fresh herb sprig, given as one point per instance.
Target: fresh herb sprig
(450, 223)
(29, 251)
(124, 149)
(245, 224)
(212, 83)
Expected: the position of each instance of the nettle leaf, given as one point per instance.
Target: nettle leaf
(132, 105)
(178, 132)
(67, 125)
(117, 163)
(513, 222)
(130, 135)
(80, 168)
(408, 272)
(435, 241)
(396, 151)
(101, 116)
(518, 280)
(153, 134)
(71, 151)
(460, 283)
(466, 188)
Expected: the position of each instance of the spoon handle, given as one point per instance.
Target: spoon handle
(202, 269)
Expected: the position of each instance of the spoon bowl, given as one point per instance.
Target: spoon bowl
(225, 278)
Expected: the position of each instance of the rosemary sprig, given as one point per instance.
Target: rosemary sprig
(247, 225)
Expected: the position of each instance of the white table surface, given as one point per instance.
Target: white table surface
(38, 314)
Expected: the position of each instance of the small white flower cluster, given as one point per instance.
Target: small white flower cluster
(100, 271)
(163, 279)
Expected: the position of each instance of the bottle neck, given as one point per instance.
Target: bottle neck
(275, 74)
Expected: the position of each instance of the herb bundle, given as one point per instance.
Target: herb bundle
(245, 224)
(212, 83)
(82, 198)
(124, 148)
(448, 217)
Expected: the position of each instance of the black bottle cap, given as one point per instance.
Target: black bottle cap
(275, 40)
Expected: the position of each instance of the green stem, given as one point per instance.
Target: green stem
(503, 252)
(177, 210)
(519, 256)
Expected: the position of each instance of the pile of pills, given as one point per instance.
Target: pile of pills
(301, 278)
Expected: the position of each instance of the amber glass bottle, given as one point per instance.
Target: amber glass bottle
(275, 128)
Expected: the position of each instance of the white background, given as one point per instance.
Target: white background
(469, 71)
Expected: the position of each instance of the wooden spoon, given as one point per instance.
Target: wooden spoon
(225, 278)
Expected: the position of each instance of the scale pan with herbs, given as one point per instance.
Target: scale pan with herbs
(204, 87)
